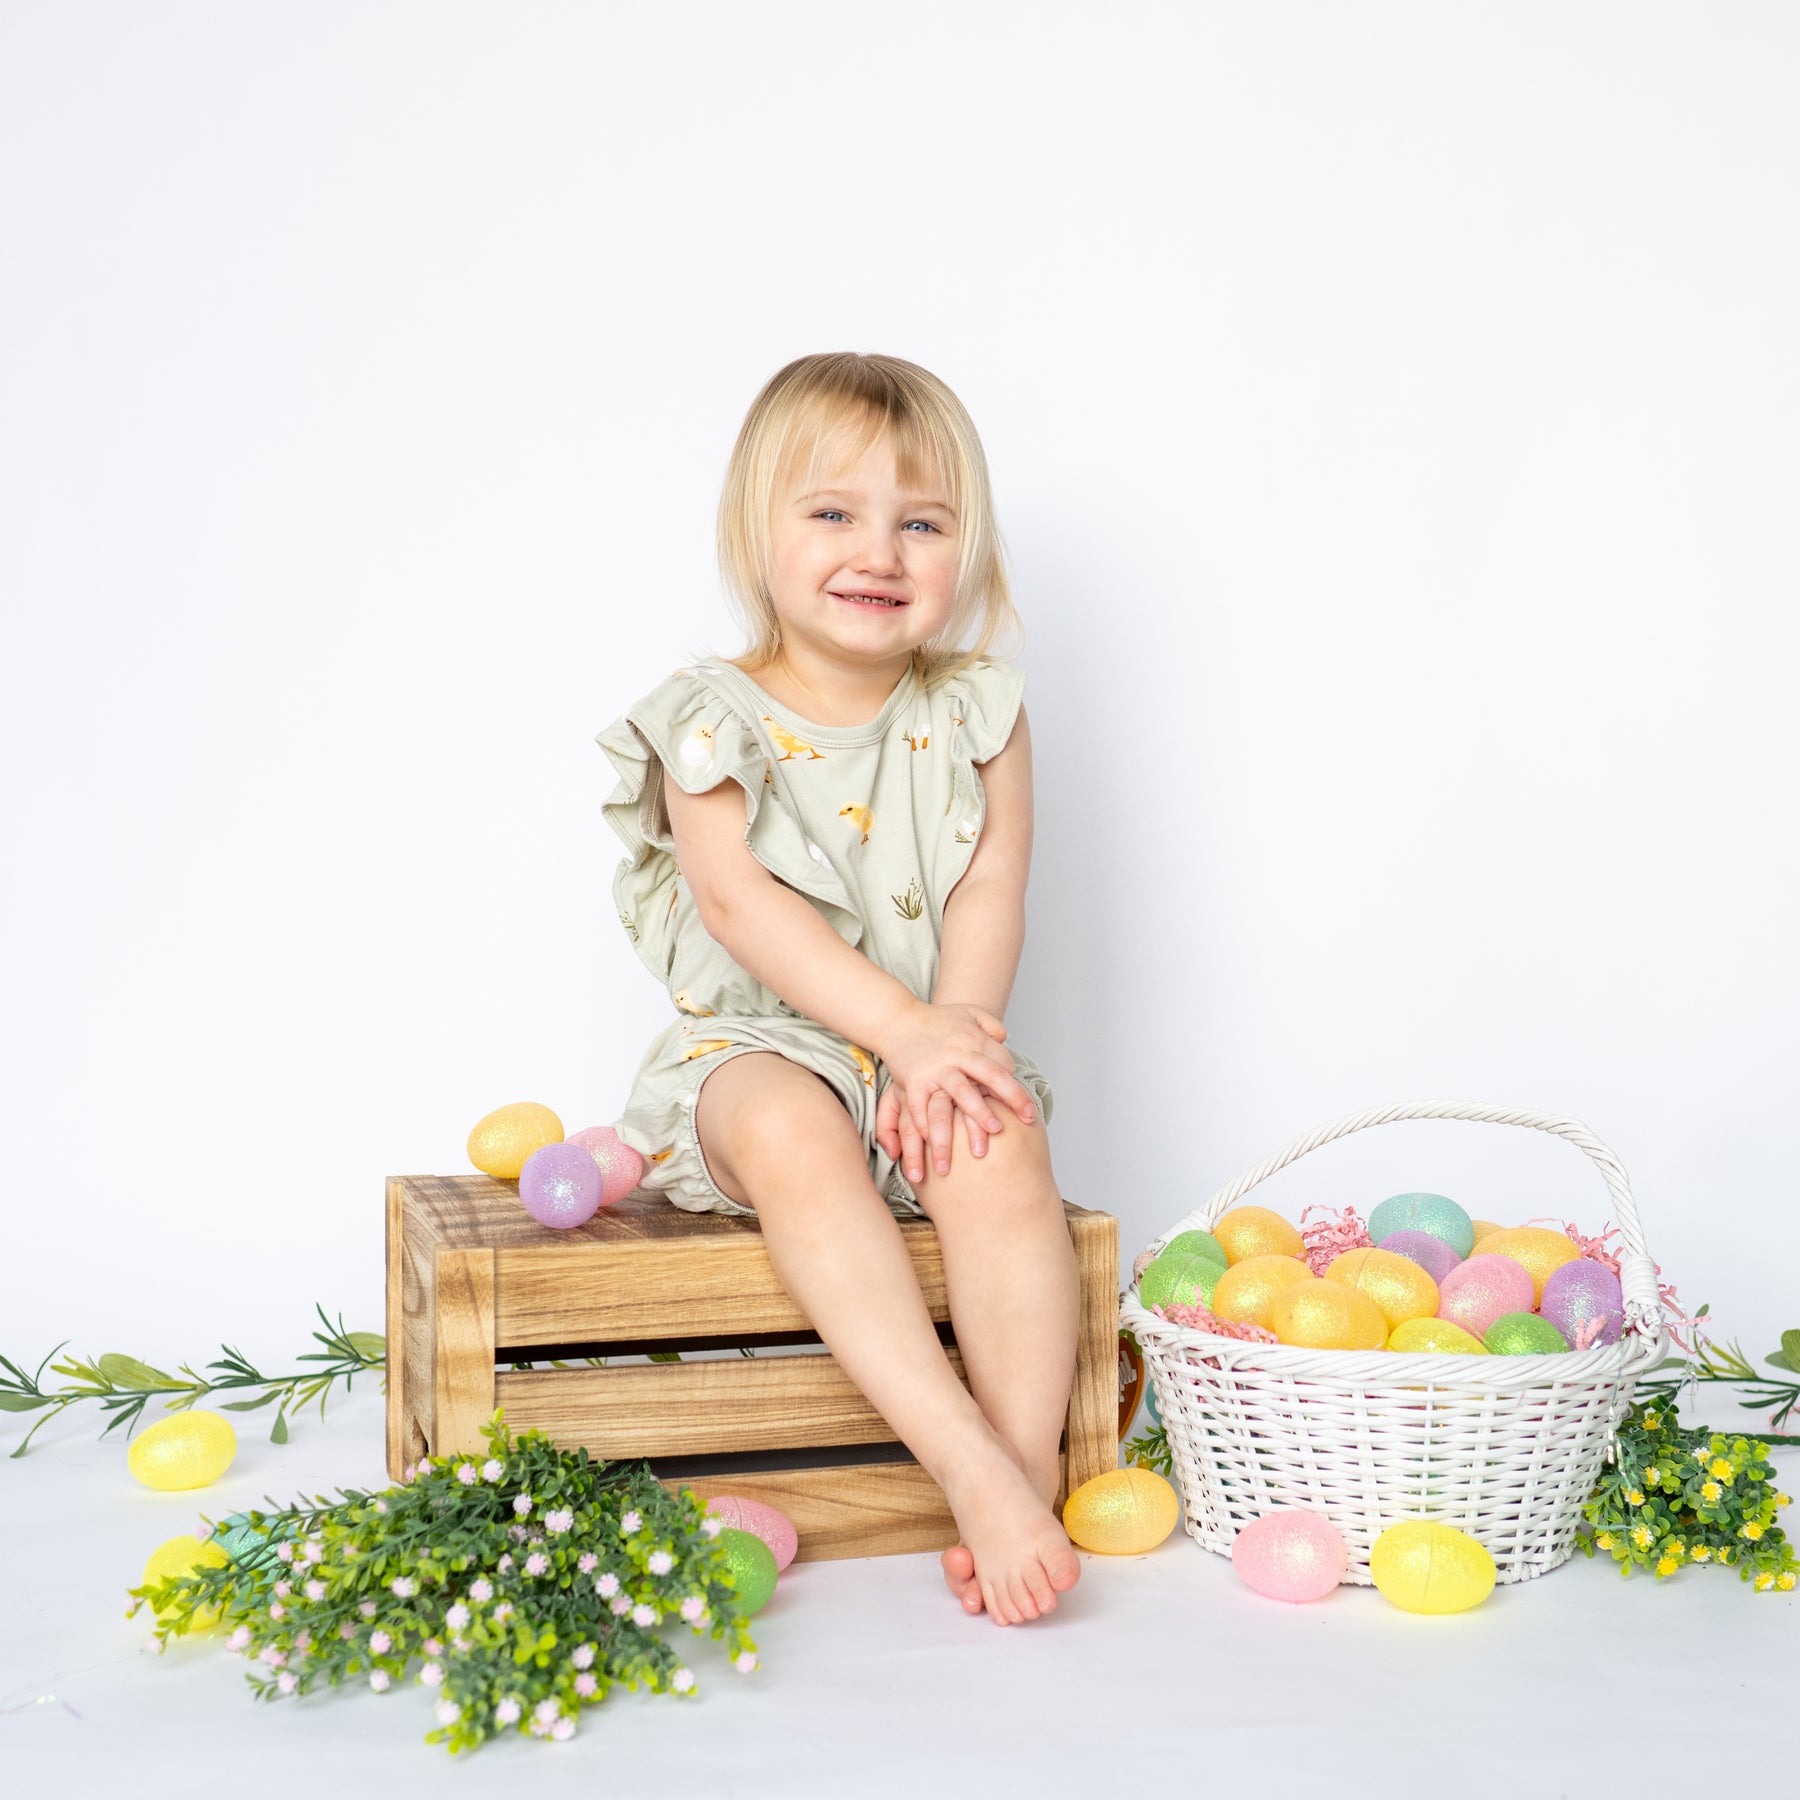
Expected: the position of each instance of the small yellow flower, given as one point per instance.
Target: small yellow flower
(1784, 1500)
(1722, 1470)
(1710, 1491)
(1605, 1540)
(1700, 1553)
(1643, 1537)
(1652, 1421)
(1785, 1580)
(1667, 1566)
(1636, 1496)
(1727, 1554)
(1752, 1531)
(1652, 1477)
(1764, 1582)
(1701, 1453)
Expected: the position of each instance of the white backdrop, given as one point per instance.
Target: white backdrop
(1391, 409)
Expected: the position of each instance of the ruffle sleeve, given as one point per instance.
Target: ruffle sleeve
(983, 701)
(686, 730)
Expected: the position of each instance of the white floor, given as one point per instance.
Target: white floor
(1160, 1673)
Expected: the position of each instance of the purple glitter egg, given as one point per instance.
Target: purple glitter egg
(1432, 1254)
(1581, 1291)
(560, 1185)
(621, 1168)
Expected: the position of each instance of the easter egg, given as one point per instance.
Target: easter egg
(560, 1186)
(1580, 1292)
(1179, 1278)
(1395, 1283)
(1435, 1337)
(760, 1519)
(1198, 1243)
(1123, 1512)
(1326, 1315)
(1432, 1254)
(1290, 1554)
(1523, 1334)
(1483, 1228)
(1425, 1567)
(183, 1556)
(621, 1168)
(500, 1143)
(1537, 1250)
(1244, 1292)
(752, 1565)
(1475, 1293)
(185, 1450)
(1435, 1213)
(1248, 1231)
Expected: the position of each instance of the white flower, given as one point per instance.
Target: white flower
(504, 1566)
(693, 1609)
(492, 1470)
(745, 1662)
(712, 1526)
(277, 1610)
(682, 1680)
(381, 1506)
(586, 1685)
(239, 1639)
(482, 1591)
(661, 1562)
(465, 1473)
(560, 1520)
(285, 1551)
(462, 1643)
(303, 1641)
(631, 1522)
(379, 1679)
(507, 1712)
(536, 1563)
(314, 1551)
(607, 1585)
(404, 1587)
(643, 1615)
(380, 1643)
(283, 1589)
(432, 1674)
(546, 1710)
(582, 1656)
(285, 1681)
(273, 1657)
(347, 1629)
(448, 1712)
(432, 1647)
(587, 1562)
(621, 1605)
(563, 1730)
(516, 1533)
(457, 1617)
(315, 1590)
(367, 1608)
(521, 1504)
(502, 1611)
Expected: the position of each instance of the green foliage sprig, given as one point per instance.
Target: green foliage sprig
(1727, 1363)
(124, 1386)
(518, 1587)
(1674, 1497)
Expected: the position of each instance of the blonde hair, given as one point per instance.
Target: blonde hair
(828, 410)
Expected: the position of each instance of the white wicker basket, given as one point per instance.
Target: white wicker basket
(1504, 1447)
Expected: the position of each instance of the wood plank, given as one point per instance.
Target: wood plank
(1091, 1431)
(399, 1414)
(883, 1509)
(410, 1328)
(464, 1346)
(697, 1408)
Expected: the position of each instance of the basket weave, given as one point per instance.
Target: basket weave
(1505, 1448)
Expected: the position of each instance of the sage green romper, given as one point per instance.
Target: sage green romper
(872, 823)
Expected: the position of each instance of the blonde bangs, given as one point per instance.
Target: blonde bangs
(823, 413)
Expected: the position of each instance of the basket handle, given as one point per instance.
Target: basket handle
(1637, 1273)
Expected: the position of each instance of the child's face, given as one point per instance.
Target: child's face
(857, 533)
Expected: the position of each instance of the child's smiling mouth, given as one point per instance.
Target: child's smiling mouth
(864, 597)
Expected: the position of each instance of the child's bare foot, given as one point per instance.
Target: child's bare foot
(1020, 1557)
(959, 1576)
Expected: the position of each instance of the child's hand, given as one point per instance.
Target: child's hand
(945, 1058)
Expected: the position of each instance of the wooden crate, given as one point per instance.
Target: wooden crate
(474, 1284)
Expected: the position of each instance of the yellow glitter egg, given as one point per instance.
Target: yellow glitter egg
(502, 1143)
(185, 1450)
(1394, 1282)
(1425, 1567)
(1248, 1231)
(1246, 1290)
(182, 1556)
(1540, 1251)
(1121, 1513)
(1435, 1337)
(1484, 1228)
(1326, 1315)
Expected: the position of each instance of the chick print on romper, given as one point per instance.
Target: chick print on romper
(874, 824)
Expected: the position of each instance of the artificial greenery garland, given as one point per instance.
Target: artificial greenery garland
(518, 1586)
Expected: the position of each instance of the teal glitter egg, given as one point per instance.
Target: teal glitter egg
(1178, 1278)
(1435, 1213)
(1523, 1334)
(1198, 1243)
(752, 1565)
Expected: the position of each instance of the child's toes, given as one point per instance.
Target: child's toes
(959, 1568)
(1063, 1566)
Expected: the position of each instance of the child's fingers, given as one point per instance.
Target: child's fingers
(912, 1148)
(941, 1108)
(993, 1026)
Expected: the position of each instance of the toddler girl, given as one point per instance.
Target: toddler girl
(829, 839)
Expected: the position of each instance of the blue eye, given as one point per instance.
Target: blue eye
(831, 512)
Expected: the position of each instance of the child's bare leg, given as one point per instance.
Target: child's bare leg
(1014, 1295)
(777, 1138)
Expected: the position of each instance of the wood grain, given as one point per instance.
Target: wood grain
(697, 1408)
(1091, 1433)
(464, 1350)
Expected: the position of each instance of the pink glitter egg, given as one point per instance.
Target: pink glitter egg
(1290, 1554)
(1432, 1254)
(621, 1168)
(1475, 1293)
(761, 1520)
(1581, 1292)
(560, 1186)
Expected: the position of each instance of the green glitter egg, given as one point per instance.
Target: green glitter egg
(1523, 1334)
(752, 1564)
(1198, 1243)
(1179, 1278)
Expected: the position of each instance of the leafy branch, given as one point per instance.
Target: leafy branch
(123, 1386)
(1714, 1362)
